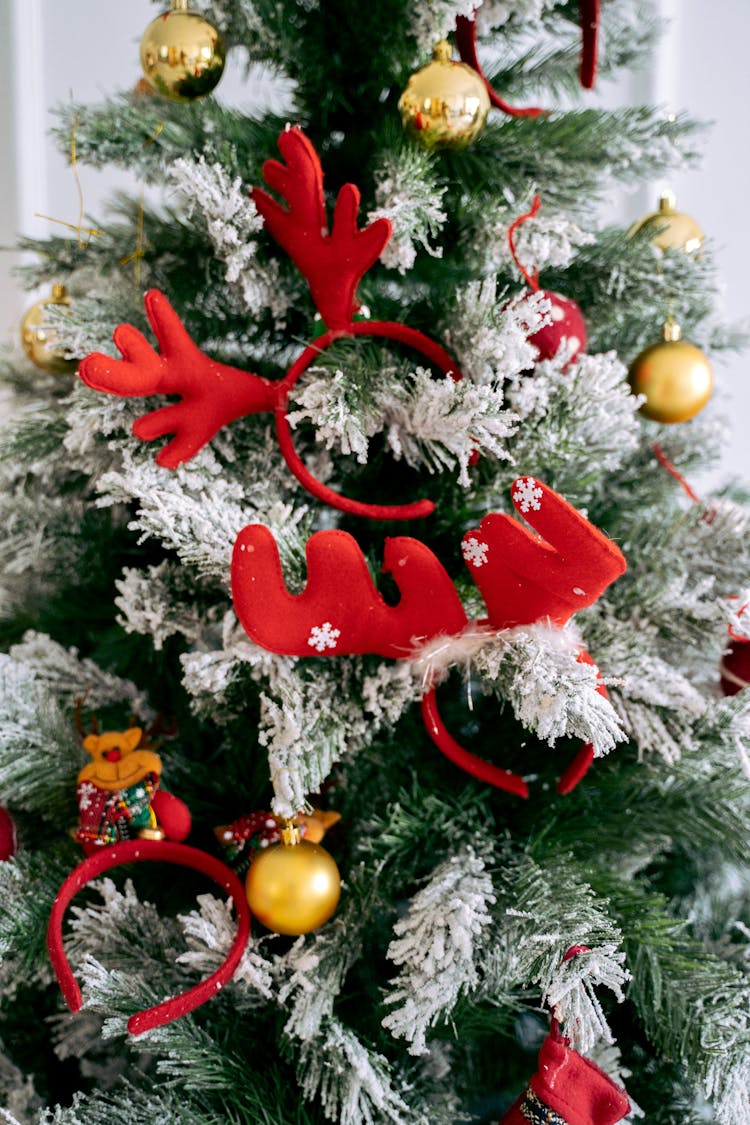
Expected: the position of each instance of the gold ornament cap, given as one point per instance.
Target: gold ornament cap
(672, 229)
(445, 104)
(674, 375)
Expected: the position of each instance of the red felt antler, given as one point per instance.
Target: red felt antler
(525, 578)
(332, 262)
(340, 610)
(212, 394)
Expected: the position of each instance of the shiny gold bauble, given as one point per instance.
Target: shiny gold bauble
(38, 336)
(674, 376)
(672, 230)
(445, 104)
(292, 888)
(182, 54)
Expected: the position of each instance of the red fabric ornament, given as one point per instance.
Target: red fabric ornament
(135, 851)
(213, 394)
(567, 1089)
(466, 42)
(735, 666)
(340, 611)
(172, 815)
(521, 577)
(566, 323)
(8, 840)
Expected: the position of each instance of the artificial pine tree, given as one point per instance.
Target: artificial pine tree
(468, 915)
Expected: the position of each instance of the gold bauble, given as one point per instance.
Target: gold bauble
(445, 104)
(672, 230)
(182, 54)
(674, 376)
(293, 887)
(38, 336)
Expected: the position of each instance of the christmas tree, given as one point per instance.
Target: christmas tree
(327, 507)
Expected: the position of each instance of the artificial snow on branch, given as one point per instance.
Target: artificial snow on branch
(311, 723)
(69, 677)
(232, 221)
(437, 945)
(553, 694)
(434, 423)
(408, 192)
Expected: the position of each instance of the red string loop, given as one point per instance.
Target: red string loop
(466, 42)
(664, 461)
(589, 10)
(532, 280)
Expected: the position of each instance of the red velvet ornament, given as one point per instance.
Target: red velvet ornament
(134, 851)
(567, 1089)
(566, 324)
(521, 577)
(8, 841)
(172, 815)
(466, 42)
(213, 394)
(735, 666)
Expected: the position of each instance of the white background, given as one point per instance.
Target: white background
(51, 50)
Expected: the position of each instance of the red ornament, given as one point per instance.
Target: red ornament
(212, 394)
(522, 578)
(735, 666)
(136, 851)
(8, 841)
(567, 1089)
(567, 326)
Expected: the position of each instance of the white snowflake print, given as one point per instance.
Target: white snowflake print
(475, 552)
(323, 636)
(85, 794)
(528, 495)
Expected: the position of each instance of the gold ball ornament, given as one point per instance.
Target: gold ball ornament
(445, 104)
(672, 229)
(38, 336)
(182, 54)
(675, 377)
(293, 887)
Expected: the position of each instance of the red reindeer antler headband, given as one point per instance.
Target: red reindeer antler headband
(466, 42)
(134, 851)
(213, 394)
(522, 577)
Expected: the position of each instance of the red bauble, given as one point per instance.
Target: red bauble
(172, 815)
(7, 835)
(735, 667)
(567, 323)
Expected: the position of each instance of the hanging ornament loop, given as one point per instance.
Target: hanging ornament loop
(466, 42)
(162, 851)
(531, 279)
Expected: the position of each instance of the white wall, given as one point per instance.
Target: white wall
(88, 48)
